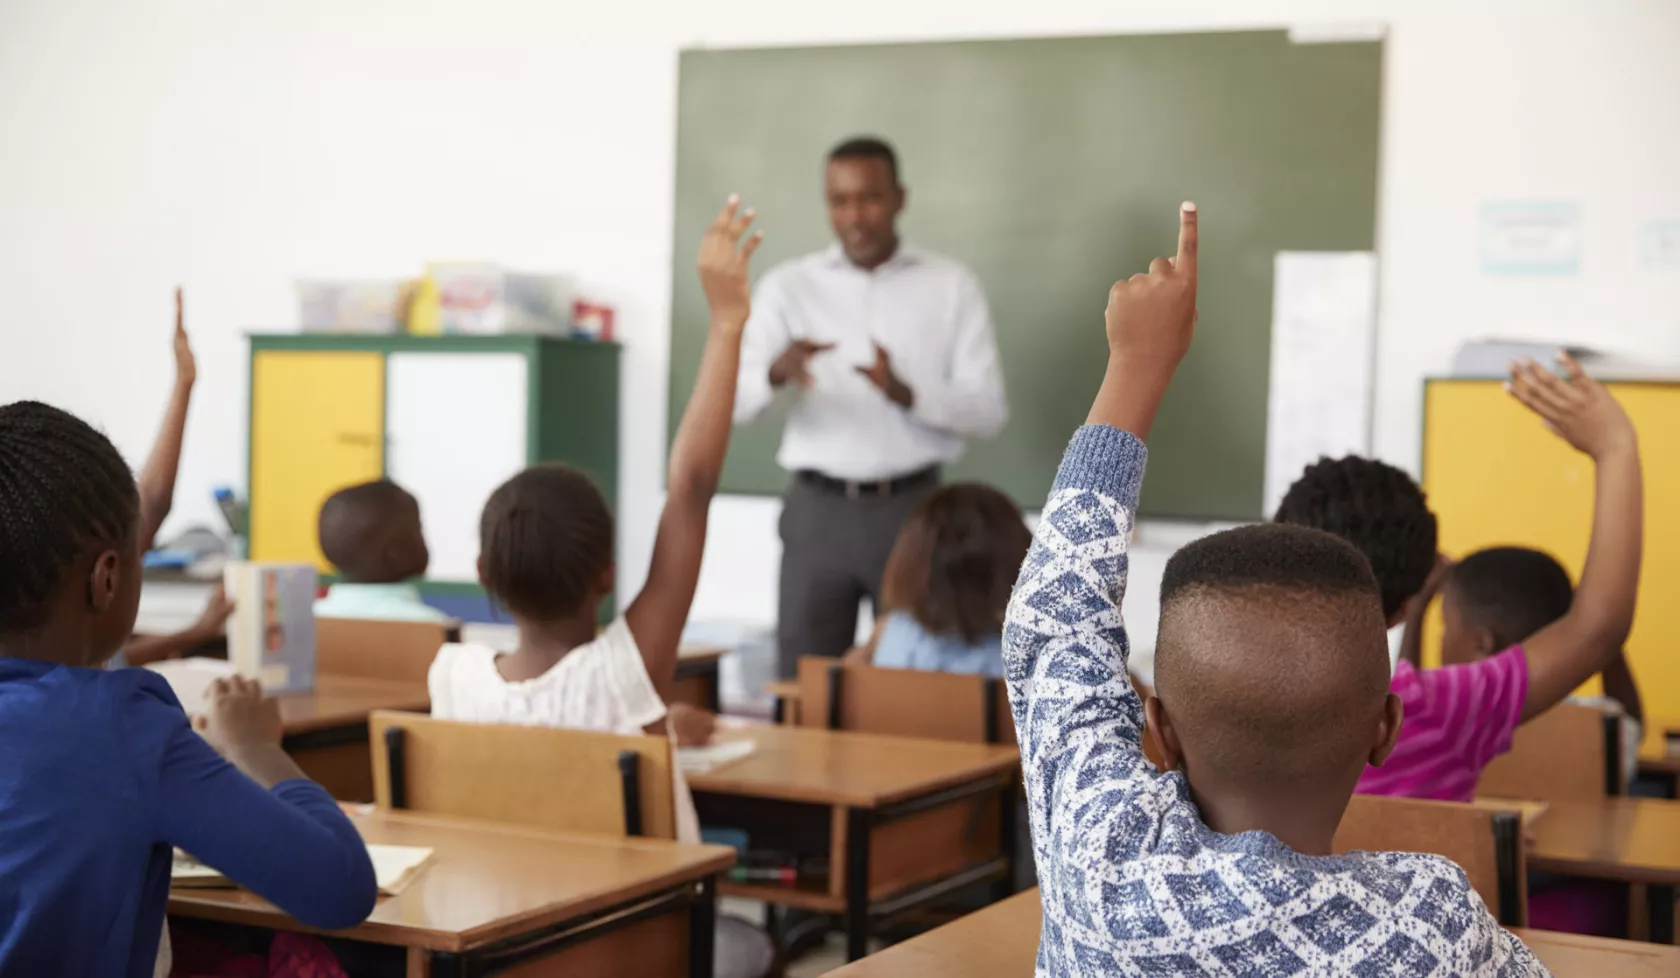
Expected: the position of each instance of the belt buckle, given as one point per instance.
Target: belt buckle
(853, 490)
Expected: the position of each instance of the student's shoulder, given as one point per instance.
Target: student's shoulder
(454, 658)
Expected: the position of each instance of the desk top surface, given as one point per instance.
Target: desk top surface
(338, 701)
(830, 767)
(1002, 942)
(485, 882)
(1635, 840)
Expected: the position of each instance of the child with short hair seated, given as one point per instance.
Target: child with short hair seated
(1271, 698)
(101, 775)
(1460, 717)
(372, 534)
(947, 583)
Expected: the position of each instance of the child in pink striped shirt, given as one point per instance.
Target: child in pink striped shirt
(1460, 717)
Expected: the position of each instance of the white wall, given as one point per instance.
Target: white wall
(234, 147)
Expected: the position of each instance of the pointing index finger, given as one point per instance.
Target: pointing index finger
(1186, 260)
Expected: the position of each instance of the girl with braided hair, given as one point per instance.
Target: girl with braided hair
(102, 776)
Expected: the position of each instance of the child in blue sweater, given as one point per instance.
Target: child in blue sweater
(1272, 696)
(102, 776)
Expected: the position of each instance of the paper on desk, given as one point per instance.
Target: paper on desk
(1323, 341)
(189, 679)
(701, 760)
(393, 866)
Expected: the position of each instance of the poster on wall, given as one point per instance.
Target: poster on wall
(1531, 238)
(1659, 245)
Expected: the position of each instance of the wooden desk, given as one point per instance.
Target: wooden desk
(1002, 942)
(326, 729)
(903, 822)
(1630, 840)
(496, 898)
(697, 677)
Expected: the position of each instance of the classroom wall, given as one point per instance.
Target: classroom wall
(234, 147)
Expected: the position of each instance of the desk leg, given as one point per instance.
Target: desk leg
(1660, 902)
(702, 930)
(857, 883)
(1005, 888)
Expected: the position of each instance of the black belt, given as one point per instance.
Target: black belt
(883, 488)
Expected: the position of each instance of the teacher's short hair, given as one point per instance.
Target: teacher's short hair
(956, 560)
(867, 148)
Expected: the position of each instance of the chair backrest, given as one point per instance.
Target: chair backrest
(400, 651)
(1568, 753)
(570, 780)
(904, 702)
(1483, 839)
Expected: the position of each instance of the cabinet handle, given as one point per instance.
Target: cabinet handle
(360, 441)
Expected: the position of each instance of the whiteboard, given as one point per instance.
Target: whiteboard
(1323, 347)
(455, 428)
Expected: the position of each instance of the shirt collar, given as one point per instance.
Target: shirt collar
(398, 592)
(906, 255)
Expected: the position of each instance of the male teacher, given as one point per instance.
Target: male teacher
(888, 353)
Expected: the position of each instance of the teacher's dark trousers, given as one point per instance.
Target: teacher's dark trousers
(835, 541)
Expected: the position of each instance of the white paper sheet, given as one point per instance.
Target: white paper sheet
(189, 679)
(1323, 338)
(700, 760)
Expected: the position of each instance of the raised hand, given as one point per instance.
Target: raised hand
(1576, 408)
(186, 366)
(724, 261)
(1149, 321)
(794, 364)
(880, 373)
(1152, 315)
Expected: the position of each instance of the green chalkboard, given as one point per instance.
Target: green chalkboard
(1051, 167)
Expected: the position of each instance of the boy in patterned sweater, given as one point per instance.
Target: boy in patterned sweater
(1272, 696)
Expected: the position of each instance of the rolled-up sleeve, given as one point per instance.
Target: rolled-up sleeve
(970, 401)
(765, 338)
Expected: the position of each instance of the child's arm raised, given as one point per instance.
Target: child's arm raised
(657, 616)
(157, 477)
(1567, 652)
(1079, 719)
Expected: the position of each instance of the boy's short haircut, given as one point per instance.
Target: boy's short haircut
(354, 521)
(545, 539)
(1380, 510)
(1513, 592)
(1272, 654)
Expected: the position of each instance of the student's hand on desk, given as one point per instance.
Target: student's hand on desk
(212, 623)
(691, 727)
(1576, 407)
(239, 718)
(724, 261)
(880, 373)
(186, 366)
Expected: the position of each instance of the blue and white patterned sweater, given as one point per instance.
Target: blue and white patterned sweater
(1132, 881)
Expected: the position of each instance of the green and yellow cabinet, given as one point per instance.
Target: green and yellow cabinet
(448, 418)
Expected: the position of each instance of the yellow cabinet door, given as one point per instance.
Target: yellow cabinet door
(317, 425)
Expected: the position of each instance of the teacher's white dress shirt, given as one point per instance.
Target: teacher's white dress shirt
(930, 315)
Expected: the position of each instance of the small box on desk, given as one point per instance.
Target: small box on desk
(271, 636)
